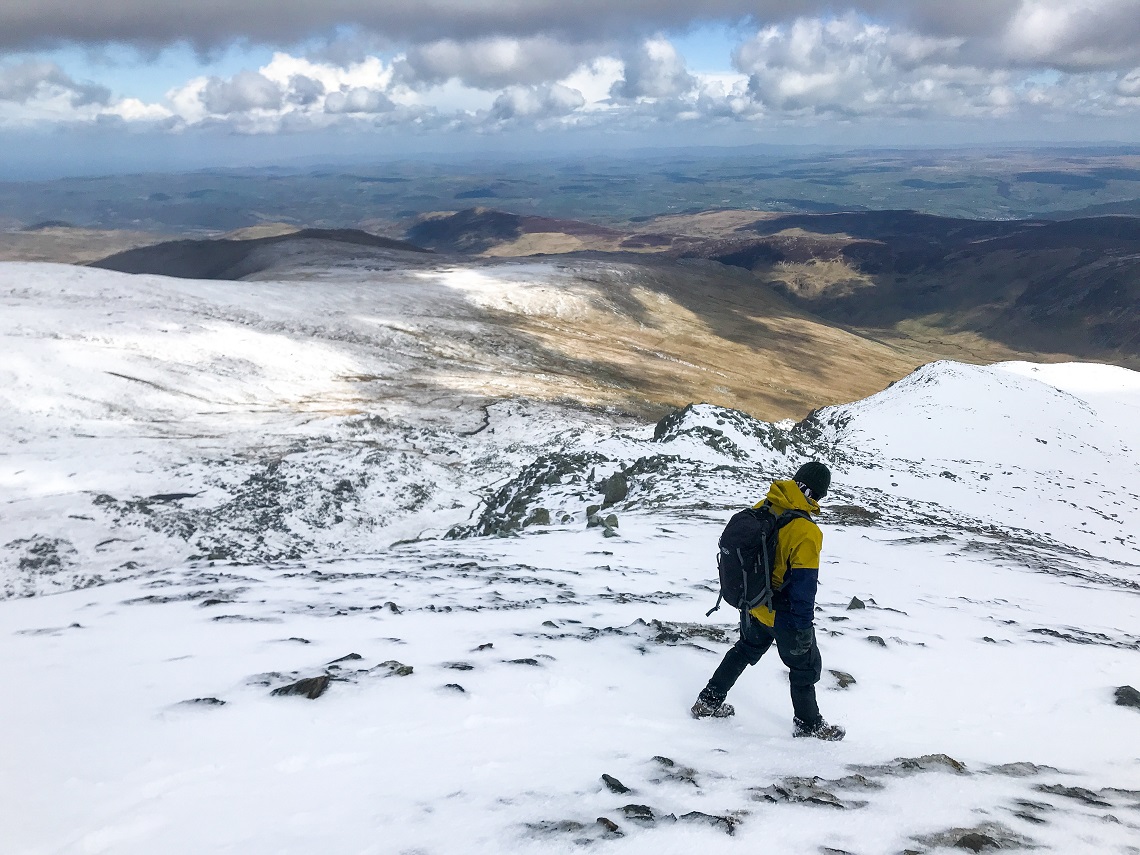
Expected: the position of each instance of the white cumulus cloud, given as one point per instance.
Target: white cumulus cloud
(246, 90)
(36, 79)
(847, 67)
(358, 99)
(537, 102)
(495, 62)
(654, 70)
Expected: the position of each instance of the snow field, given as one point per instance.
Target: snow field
(402, 764)
(202, 461)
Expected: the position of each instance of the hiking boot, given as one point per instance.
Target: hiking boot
(820, 730)
(711, 705)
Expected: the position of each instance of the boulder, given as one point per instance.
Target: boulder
(396, 669)
(309, 687)
(843, 679)
(615, 786)
(539, 516)
(614, 489)
(1126, 696)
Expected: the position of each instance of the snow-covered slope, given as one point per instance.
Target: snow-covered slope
(478, 681)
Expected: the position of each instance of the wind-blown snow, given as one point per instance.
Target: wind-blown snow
(213, 505)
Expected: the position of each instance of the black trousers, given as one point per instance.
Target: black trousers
(797, 649)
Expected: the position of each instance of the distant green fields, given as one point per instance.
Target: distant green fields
(989, 184)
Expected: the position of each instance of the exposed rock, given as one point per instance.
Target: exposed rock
(396, 669)
(591, 510)
(903, 766)
(982, 838)
(842, 678)
(1126, 696)
(36, 560)
(877, 639)
(459, 666)
(594, 521)
(851, 515)
(1020, 769)
(611, 521)
(673, 771)
(349, 657)
(539, 516)
(611, 828)
(812, 791)
(485, 646)
(1031, 811)
(726, 824)
(614, 489)
(610, 532)
(615, 786)
(508, 509)
(203, 702)
(245, 619)
(668, 632)
(310, 687)
(526, 661)
(1079, 794)
(48, 630)
(856, 603)
(556, 826)
(976, 842)
(455, 687)
(669, 422)
(645, 815)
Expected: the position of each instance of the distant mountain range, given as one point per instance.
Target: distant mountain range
(1034, 286)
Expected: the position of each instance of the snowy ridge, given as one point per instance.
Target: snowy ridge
(389, 628)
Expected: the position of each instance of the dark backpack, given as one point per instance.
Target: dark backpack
(747, 555)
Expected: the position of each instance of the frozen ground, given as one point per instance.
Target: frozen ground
(480, 685)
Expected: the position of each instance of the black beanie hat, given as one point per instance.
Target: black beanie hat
(815, 476)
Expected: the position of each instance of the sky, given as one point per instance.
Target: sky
(117, 85)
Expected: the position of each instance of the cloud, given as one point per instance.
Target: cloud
(246, 90)
(849, 68)
(654, 70)
(1085, 32)
(537, 102)
(891, 61)
(492, 63)
(1074, 35)
(209, 22)
(1129, 84)
(358, 99)
(38, 79)
(212, 23)
(304, 91)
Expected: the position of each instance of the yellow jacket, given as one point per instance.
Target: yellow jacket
(795, 575)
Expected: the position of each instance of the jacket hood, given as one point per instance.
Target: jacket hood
(786, 496)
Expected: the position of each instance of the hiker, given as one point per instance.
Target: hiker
(790, 621)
